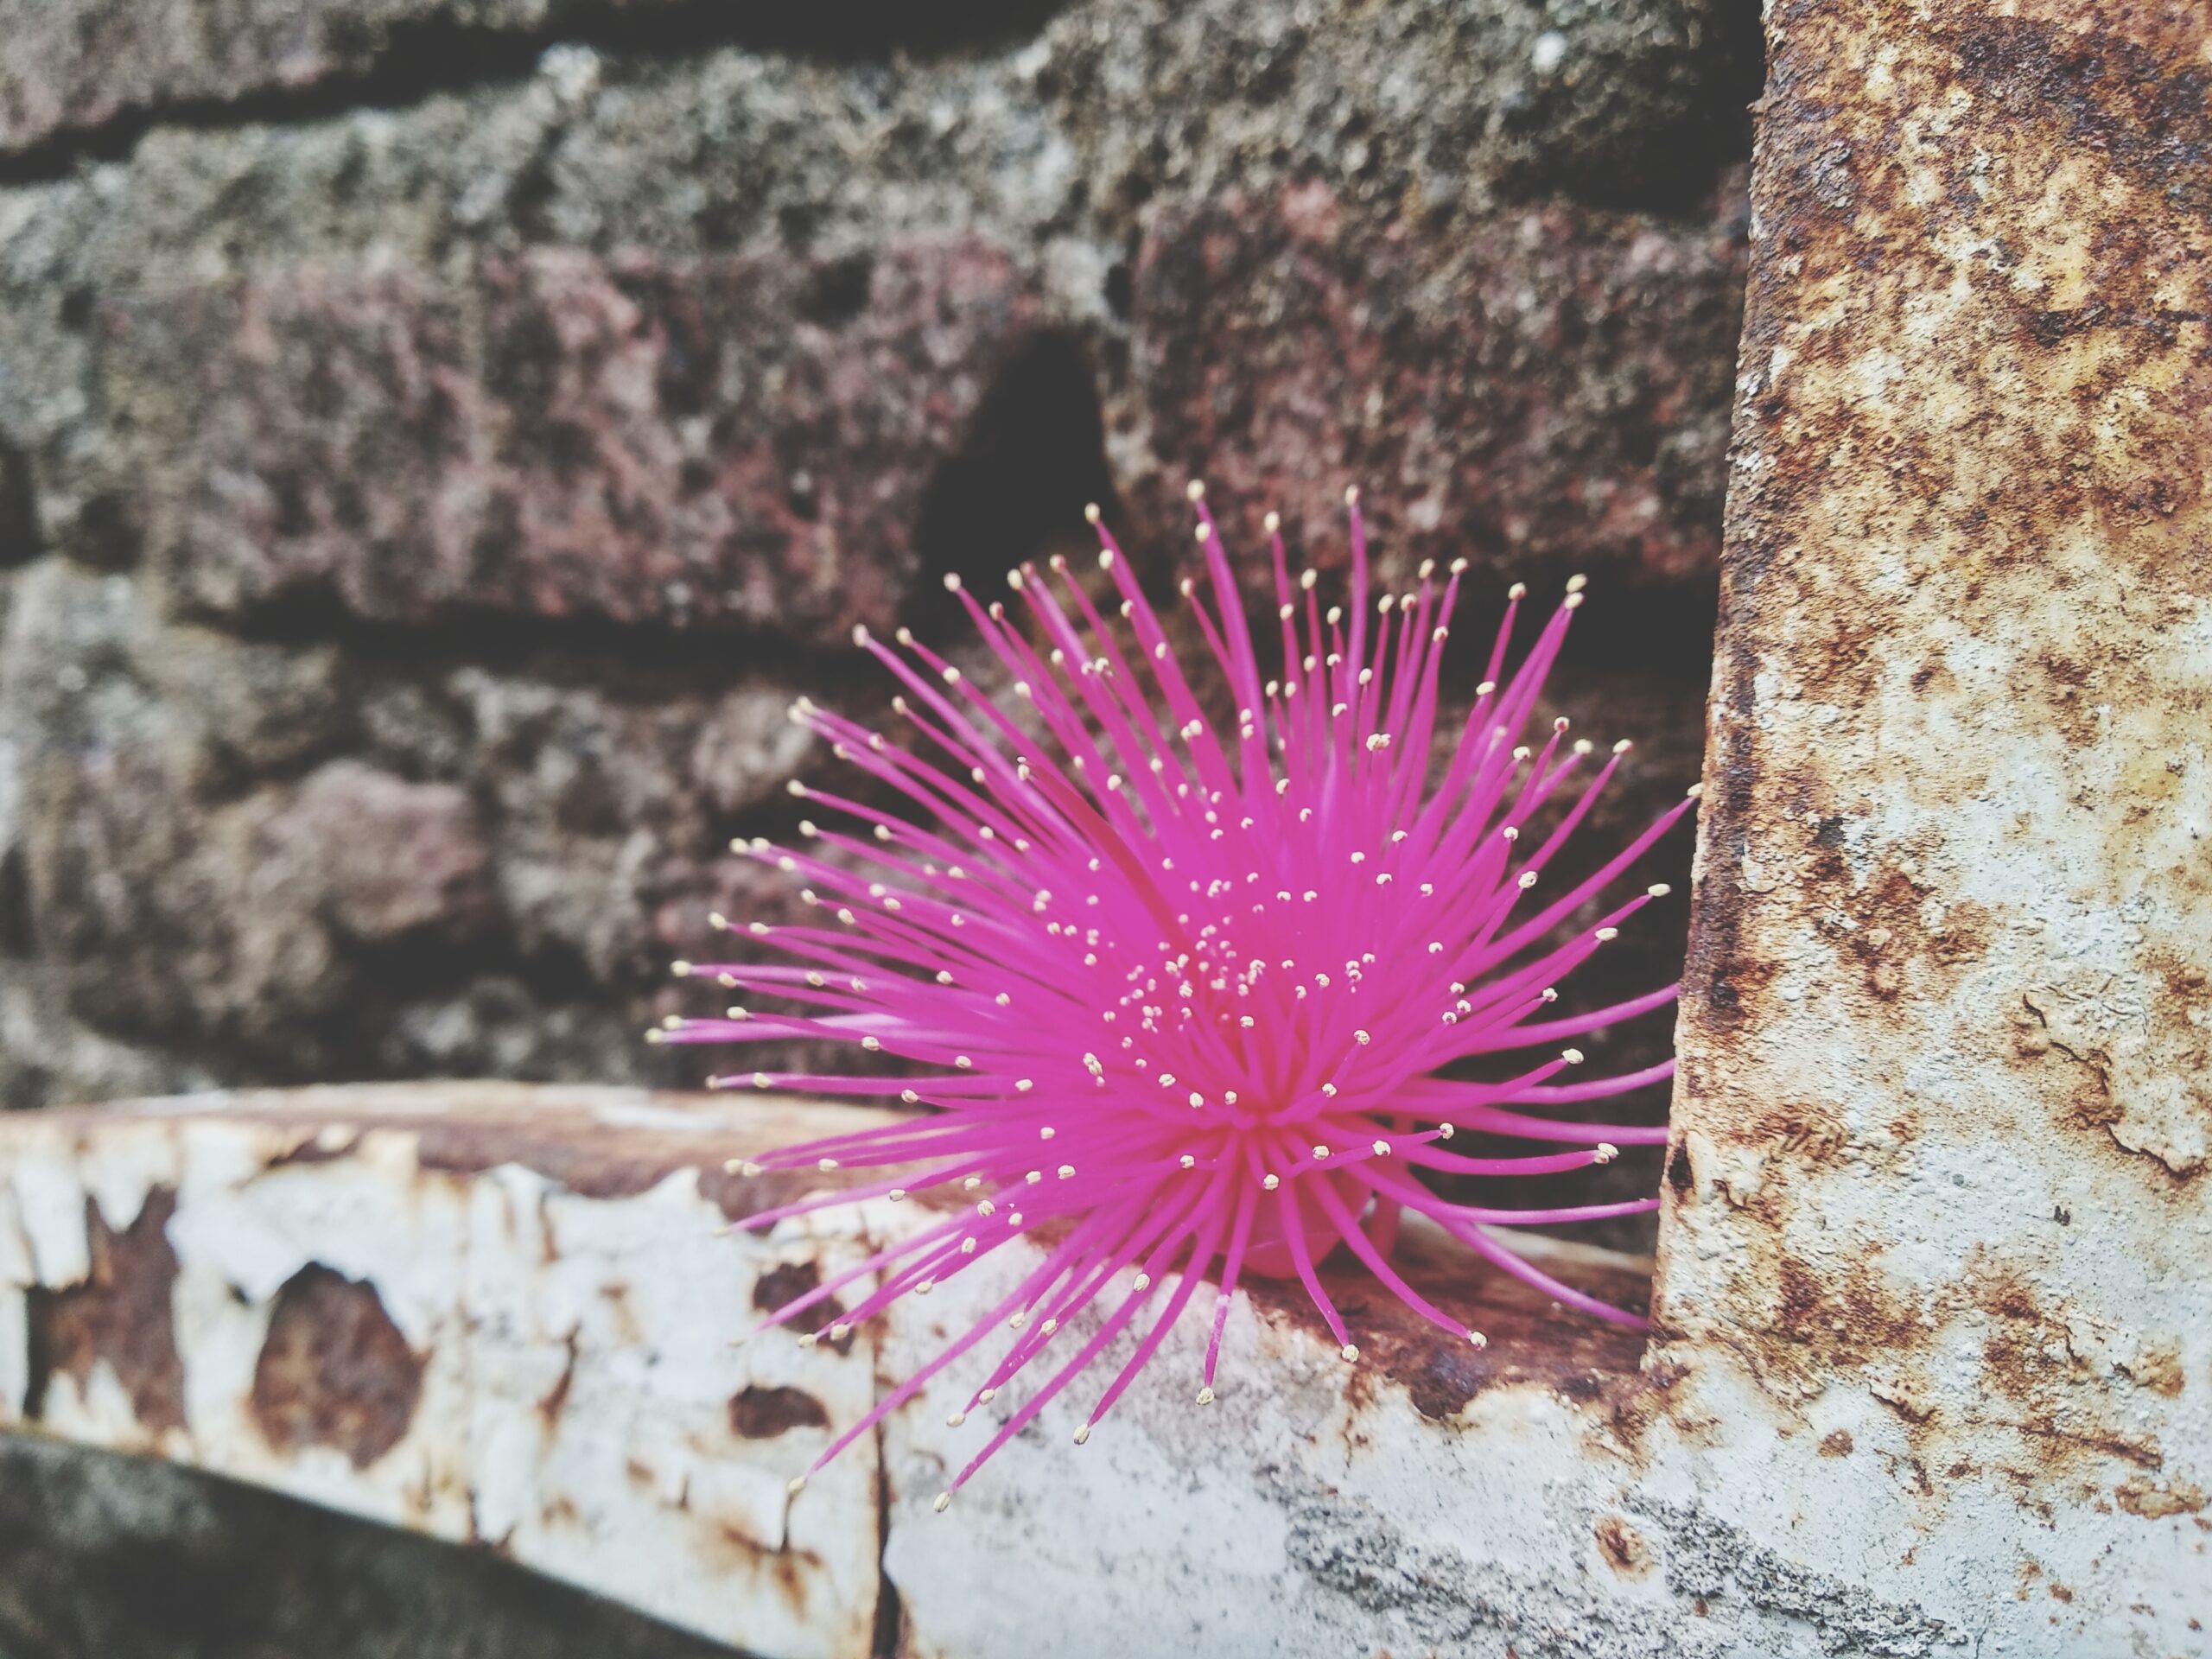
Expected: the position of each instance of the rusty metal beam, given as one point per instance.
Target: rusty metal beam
(1940, 1209)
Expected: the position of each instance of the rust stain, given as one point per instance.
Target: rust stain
(792, 1572)
(1836, 1444)
(1848, 1315)
(1638, 1402)
(618, 1161)
(1623, 1549)
(121, 1313)
(761, 1413)
(628, 1331)
(1531, 1339)
(787, 1282)
(322, 1146)
(2136, 102)
(2065, 1444)
(2157, 1370)
(2089, 1098)
(619, 1157)
(2092, 1102)
(557, 1398)
(1905, 933)
(2156, 1501)
(334, 1370)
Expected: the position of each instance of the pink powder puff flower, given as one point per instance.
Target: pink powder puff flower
(1185, 994)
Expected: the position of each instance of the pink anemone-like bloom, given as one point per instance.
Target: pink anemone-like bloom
(1184, 995)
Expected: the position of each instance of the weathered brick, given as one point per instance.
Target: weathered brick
(71, 64)
(1546, 387)
(739, 439)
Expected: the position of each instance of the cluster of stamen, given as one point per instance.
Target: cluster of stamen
(1222, 973)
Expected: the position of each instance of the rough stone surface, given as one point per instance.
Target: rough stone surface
(128, 1559)
(79, 65)
(1506, 390)
(438, 437)
(86, 69)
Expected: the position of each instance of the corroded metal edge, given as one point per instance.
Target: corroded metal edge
(1938, 1197)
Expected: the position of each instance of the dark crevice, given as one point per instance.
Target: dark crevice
(19, 537)
(1663, 629)
(39, 1317)
(639, 659)
(887, 1640)
(1034, 453)
(407, 63)
(17, 938)
(1667, 152)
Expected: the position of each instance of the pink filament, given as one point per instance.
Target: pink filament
(1188, 991)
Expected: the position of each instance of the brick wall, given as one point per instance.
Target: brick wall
(438, 437)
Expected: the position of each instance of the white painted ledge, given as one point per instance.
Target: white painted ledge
(508, 1324)
(501, 1315)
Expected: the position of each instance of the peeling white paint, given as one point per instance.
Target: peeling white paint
(576, 1402)
(50, 1210)
(16, 1266)
(15, 1351)
(576, 1371)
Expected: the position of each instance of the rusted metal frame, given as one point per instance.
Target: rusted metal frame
(1938, 1209)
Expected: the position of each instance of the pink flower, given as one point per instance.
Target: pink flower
(1185, 994)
